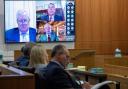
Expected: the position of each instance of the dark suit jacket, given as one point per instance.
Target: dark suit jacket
(56, 18)
(58, 78)
(12, 35)
(23, 61)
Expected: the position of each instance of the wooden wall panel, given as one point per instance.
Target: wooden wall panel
(102, 25)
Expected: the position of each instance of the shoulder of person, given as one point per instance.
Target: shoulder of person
(12, 29)
(59, 16)
(32, 29)
(42, 72)
(44, 16)
(20, 58)
(54, 68)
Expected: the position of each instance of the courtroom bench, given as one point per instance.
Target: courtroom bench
(12, 78)
(92, 78)
(115, 65)
(79, 57)
(117, 70)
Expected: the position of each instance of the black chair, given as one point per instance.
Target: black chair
(40, 79)
(101, 85)
(28, 69)
(39, 82)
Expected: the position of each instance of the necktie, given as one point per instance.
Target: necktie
(50, 18)
(24, 37)
(49, 39)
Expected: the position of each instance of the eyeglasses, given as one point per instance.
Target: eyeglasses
(23, 21)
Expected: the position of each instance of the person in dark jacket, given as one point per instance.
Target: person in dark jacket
(51, 14)
(56, 75)
(23, 60)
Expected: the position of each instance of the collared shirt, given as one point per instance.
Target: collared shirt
(74, 80)
(58, 63)
(51, 18)
(24, 37)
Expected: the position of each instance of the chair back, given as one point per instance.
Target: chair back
(39, 82)
(28, 69)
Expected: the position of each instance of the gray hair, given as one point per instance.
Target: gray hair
(58, 49)
(51, 4)
(22, 13)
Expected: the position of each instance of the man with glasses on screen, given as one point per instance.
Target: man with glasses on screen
(22, 33)
(52, 16)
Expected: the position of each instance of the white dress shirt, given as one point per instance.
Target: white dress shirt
(51, 18)
(24, 37)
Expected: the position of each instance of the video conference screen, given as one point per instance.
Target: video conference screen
(39, 21)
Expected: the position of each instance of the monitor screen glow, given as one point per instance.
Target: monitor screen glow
(39, 21)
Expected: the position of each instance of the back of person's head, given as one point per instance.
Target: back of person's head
(30, 44)
(58, 49)
(38, 55)
(26, 49)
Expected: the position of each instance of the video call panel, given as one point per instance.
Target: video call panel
(46, 21)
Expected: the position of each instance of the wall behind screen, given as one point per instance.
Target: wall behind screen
(102, 25)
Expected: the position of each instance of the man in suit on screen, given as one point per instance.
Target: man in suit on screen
(22, 33)
(52, 16)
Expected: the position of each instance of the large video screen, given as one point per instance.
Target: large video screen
(39, 21)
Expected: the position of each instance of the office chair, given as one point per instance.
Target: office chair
(99, 85)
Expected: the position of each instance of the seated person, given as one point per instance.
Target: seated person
(38, 60)
(43, 37)
(22, 33)
(56, 77)
(38, 57)
(51, 14)
(48, 34)
(54, 36)
(23, 60)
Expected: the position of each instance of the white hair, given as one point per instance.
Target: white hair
(22, 13)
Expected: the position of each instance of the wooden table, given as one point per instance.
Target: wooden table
(12, 78)
(88, 75)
